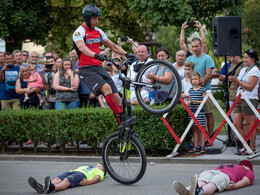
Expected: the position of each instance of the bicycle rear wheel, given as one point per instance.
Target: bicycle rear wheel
(154, 96)
(127, 166)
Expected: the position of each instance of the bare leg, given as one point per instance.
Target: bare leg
(39, 96)
(209, 188)
(195, 135)
(62, 185)
(210, 123)
(202, 142)
(238, 120)
(106, 90)
(250, 120)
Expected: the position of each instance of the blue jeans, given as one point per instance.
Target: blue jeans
(66, 105)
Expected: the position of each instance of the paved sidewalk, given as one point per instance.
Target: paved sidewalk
(228, 155)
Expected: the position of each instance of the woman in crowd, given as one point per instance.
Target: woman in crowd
(58, 63)
(21, 87)
(66, 84)
(248, 80)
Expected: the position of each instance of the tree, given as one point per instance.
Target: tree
(169, 12)
(251, 24)
(24, 19)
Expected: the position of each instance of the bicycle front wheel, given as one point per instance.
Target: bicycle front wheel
(162, 93)
(125, 159)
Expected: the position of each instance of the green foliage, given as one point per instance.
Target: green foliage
(168, 12)
(21, 19)
(251, 24)
(91, 124)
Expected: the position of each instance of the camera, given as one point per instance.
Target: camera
(48, 67)
(190, 23)
(52, 91)
(109, 63)
(124, 39)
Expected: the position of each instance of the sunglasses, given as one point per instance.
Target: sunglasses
(25, 55)
(251, 51)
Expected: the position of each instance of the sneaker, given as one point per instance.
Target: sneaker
(48, 186)
(41, 102)
(26, 99)
(35, 185)
(193, 184)
(127, 120)
(180, 188)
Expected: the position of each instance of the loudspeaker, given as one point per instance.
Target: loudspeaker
(227, 36)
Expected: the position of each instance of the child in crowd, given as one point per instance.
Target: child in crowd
(186, 83)
(35, 84)
(82, 176)
(197, 93)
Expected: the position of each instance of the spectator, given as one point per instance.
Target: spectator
(25, 56)
(21, 87)
(2, 58)
(8, 76)
(33, 60)
(74, 56)
(115, 75)
(48, 54)
(224, 177)
(248, 80)
(223, 70)
(143, 58)
(58, 63)
(34, 84)
(234, 69)
(186, 82)
(204, 65)
(55, 55)
(66, 84)
(197, 94)
(86, 97)
(18, 58)
(202, 35)
(162, 75)
(48, 81)
(2, 63)
(180, 58)
(82, 176)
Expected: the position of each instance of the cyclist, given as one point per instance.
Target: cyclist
(86, 40)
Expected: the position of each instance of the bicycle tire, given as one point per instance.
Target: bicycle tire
(169, 105)
(123, 170)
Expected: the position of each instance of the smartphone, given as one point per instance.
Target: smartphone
(190, 23)
(10, 66)
(124, 39)
(48, 67)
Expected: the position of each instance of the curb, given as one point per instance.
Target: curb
(206, 159)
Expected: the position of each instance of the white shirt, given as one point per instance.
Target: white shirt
(132, 74)
(186, 85)
(180, 71)
(245, 79)
(118, 82)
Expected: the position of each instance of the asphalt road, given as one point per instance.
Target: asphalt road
(158, 179)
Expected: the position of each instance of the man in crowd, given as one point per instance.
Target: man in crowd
(180, 58)
(204, 65)
(18, 57)
(86, 40)
(8, 76)
(25, 56)
(2, 63)
(143, 57)
(48, 54)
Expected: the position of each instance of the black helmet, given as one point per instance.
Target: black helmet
(90, 11)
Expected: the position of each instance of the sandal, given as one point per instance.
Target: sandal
(243, 150)
(202, 150)
(194, 149)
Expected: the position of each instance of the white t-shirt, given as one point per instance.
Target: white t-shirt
(186, 85)
(144, 94)
(132, 74)
(180, 71)
(118, 82)
(254, 71)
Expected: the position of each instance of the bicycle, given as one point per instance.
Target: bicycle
(123, 155)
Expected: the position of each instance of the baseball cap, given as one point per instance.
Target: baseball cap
(247, 163)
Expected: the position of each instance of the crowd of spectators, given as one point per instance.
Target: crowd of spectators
(56, 84)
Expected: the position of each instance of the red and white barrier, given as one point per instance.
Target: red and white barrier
(226, 119)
